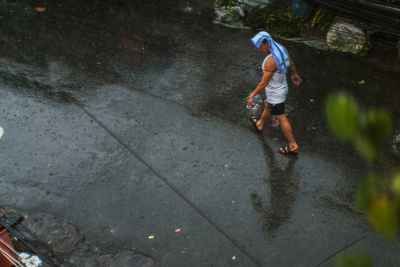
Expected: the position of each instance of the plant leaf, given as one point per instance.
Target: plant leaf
(343, 115)
(396, 185)
(379, 126)
(353, 260)
(383, 216)
(366, 147)
(376, 128)
(365, 191)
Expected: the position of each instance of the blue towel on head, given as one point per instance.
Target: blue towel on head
(278, 51)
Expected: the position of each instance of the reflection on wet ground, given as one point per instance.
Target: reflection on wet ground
(282, 186)
(32, 87)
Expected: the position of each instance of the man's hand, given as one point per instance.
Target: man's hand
(250, 100)
(296, 79)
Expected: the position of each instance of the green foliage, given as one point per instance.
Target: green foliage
(279, 18)
(257, 18)
(378, 195)
(285, 22)
(343, 116)
(395, 187)
(382, 214)
(375, 128)
(322, 19)
(353, 260)
(226, 3)
(276, 18)
(368, 131)
(365, 191)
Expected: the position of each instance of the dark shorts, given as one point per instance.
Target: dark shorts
(276, 109)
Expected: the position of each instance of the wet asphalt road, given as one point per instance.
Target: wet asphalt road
(128, 119)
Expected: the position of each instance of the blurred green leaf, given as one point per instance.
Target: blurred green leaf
(377, 195)
(376, 129)
(366, 147)
(379, 126)
(353, 260)
(342, 113)
(382, 214)
(365, 191)
(396, 185)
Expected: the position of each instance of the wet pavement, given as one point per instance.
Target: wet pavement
(129, 120)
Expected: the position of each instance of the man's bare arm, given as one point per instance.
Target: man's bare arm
(295, 77)
(269, 69)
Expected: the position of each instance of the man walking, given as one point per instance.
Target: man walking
(274, 83)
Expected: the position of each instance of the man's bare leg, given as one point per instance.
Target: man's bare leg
(287, 131)
(264, 116)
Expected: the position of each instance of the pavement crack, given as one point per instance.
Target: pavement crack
(167, 183)
(340, 250)
(68, 97)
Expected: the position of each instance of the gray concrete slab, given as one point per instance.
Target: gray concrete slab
(381, 251)
(204, 159)
(58, 160)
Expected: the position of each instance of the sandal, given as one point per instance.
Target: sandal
(285, 150)
(254, 121)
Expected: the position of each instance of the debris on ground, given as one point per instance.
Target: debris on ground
(64, 245)
(30, 260)
(346, 37)
(258, 106)
(40, 9)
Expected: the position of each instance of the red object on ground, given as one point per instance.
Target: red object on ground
(4, 262)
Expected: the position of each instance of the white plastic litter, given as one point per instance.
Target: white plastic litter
(30, 260)
(238, 11)
(222, 14)
(250, 4)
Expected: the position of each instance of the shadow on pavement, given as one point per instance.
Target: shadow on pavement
(283, 184)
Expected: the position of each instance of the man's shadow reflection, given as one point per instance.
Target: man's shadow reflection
(283, 185)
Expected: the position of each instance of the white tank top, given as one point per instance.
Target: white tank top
(277, 87)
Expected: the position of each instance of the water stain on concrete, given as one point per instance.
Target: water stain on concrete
(32, 88)
(283, 186)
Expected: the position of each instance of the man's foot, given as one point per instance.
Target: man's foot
(289, 149)
(255, 123)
